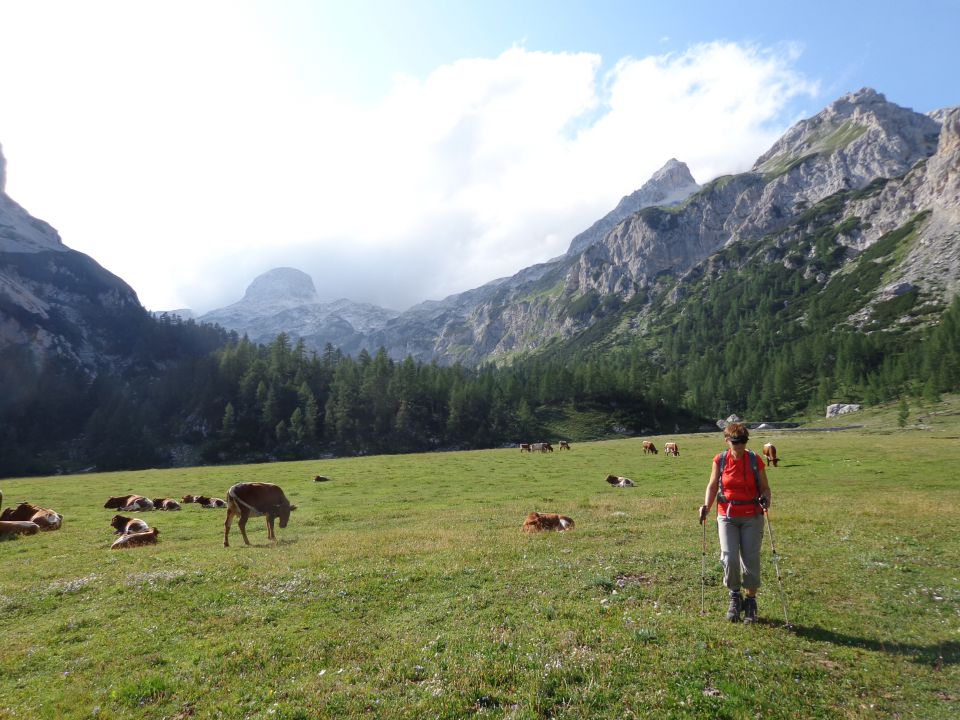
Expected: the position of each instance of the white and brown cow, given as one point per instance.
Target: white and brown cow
(671, 448)
(165, 504)
(127, 503)
(564, 445)
(147, 537)
(649, 447)
(246, 500)
(18, 527)
(525, 447)
(205, 501)
(123, 525)
(620, 481)
(770, 453)
(536, 522)
(28, 512)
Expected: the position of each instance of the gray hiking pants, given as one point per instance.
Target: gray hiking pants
(740, 542)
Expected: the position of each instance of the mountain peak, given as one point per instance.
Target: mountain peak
(283, 286)
(19, 231)
(862, 134)
(669, 185)
(672, 176)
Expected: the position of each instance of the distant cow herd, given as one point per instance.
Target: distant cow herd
(256, 499)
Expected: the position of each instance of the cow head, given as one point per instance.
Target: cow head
(282, 513)
(115, 502)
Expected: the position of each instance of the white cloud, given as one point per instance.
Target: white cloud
(188, 172)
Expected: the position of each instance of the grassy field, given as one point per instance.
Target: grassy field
(404, 588)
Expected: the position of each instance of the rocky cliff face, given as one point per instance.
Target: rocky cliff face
(54, 301)
(856, 140)
(932, 187)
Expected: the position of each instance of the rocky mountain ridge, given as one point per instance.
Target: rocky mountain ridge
(878, 166)
(669, 228)
(466, 326)
(56, 302)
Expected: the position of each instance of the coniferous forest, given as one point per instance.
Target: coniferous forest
(196, 394)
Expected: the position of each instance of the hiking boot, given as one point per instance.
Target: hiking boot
(749, 610)
(736, 605)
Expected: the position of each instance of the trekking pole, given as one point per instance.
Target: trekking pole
(703, 568)
(776, 564)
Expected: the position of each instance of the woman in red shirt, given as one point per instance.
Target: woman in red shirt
(742, 491)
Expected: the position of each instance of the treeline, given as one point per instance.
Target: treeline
(283, 401)
(244, 402)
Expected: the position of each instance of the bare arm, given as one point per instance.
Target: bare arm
(764, 486)
(710, 494)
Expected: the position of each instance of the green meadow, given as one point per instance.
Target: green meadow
(403, 588)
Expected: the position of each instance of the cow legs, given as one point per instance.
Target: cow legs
(243, 527)
(270, 535)
(226, 529)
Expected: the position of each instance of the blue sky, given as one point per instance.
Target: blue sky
(905, 50)
(401, 151)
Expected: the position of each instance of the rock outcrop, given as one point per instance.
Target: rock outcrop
(842, 409)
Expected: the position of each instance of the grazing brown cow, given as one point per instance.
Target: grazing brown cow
(205, 501)
(246, 500)
(525, 447)
(123, 525)
(148, 537)
(165, 504)
(564, 445)
(770, 453)
(536, 522)
(129, 502)
(671, 448)
(649, 447)
(321, 478)
(620, 481)
(28, 512)
(18, 527)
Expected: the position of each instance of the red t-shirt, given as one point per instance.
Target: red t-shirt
(739, 484)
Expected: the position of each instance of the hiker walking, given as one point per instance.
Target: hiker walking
(738, 482)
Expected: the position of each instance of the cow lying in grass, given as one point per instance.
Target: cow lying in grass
(128, 503)
(165, 504)
(18, 527)
(620, 481)
(204, 501)
(28, 512)
(536, 522)
(125, 525)
(246, 500)
(148, 537)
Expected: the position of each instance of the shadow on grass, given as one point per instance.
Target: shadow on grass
(936, 655)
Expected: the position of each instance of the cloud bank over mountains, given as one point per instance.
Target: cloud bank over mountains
(478, 169)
